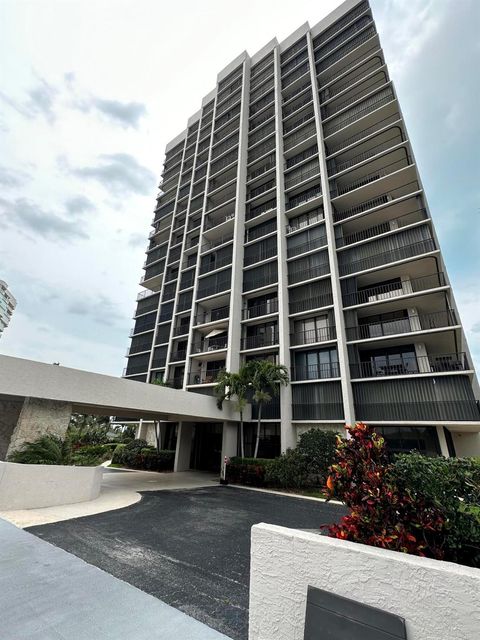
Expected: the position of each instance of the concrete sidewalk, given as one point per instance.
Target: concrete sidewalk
(49, 594)
(120, 488)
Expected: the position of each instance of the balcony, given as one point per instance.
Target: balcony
(387, 257)
(219, 287)
(310, 303)
(319, 371)
(267, 165)
(295, 106)
(175, 382)
(346, 34)
(263, 188)
(390, 140)
(362, 89)
(250, 284)
(259, 341)
(428, 411)
(304, 173)
(316, 271)
(181, 330)
(304, 197)
(156, 254)
(360, 110)
(262, 103)
(348, 81)
(394, 289)
(264, 229)
(401, 365)
(310, 245)
(260, 150)
(178, 356)
(212, 220)
(296, 138)
(340, 24)
(300, 157)
(212, 315)
(409, 189)
(313, 336)
(138, 348)
(342, 52)
(295, 75)
(204, 377)
(411, 324)
(210, 344)
(314, 411)
(254, 212)
(209, 266)
(313, 217)
(259, 310)
(295, 124)
(388, 226)
(131, 370)
(208, 245)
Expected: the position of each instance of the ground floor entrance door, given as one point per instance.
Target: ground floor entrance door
(207, 446)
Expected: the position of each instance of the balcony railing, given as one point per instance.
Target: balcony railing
(175, 382)
(371, 104)
(259, 341)
(178, 356)
(295, 106)
(365, 155)
(290, 126)
(212, 244)
(210, 344)
(295, 75)
(307, 274)
(362, 90)
(304, 197)
(261, 189)
(387, 257)
(321, 52)
(347, 48)
(422, 322)
(141, 327)
(264, 254)
(295, 92)
(312, 336)
(357, 75)
(400, 365)
(219, 287)
(254, 212)
(300, 175)
(216, 264)
(270, 164)
(261, 150)
(212, 316)
(317, 371)
(315, 302)
(300, 157)
(313, 217)
(211, 223)
(260, 135)
(385, 198)
(386, 170)
(207, 377)
(338, 26)
(259, 310)
(389, 225)
(318, 411)
(181, 330)
(130, 370)
(262, 281)
(394, 289)
(427, 411)
(138, 348)
(299, 136)
(314, 243)
(253, 233)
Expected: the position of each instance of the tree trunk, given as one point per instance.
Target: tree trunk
(242, 445)
(157, 434)
(259, 424)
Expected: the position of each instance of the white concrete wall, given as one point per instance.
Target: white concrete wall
(31, 486)
(439, 600)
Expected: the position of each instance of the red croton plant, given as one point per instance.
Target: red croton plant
(380, 515)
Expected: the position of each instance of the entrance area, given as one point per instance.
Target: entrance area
(207, 446)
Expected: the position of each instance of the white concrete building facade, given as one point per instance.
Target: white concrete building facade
(7, 305)
(292, 225)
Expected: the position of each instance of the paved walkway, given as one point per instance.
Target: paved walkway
(49, 594)
(190, 549)
(120, 489)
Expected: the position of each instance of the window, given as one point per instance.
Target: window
(313, 365)
(312, 330)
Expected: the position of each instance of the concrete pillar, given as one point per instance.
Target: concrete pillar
(229, 441)
(9, 413)
(141, 431)
(184, 447)
(37, 418)
(443, 441)
(467, 444)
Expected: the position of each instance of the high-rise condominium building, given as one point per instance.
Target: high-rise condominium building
(7, 305)
(292, 225)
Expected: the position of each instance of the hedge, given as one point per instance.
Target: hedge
(248, 471)
(143, 457)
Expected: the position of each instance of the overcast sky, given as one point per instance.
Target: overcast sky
(92, 90)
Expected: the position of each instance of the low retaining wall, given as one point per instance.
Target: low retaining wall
(31, 486)
(438, 600)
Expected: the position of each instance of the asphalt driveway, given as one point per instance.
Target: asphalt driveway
(189, 548)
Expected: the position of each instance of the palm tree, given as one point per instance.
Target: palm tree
(265, 378)
(233, 385)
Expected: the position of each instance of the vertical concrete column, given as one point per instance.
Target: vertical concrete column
(443, 441)
(232, 361)
(184, 447)
(287, 433)
(229, 441)
(348, 405)
(142, 430)
(37, 418)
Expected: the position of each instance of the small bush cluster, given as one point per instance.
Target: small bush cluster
(92, 455)
(138, 455)
(305, 466)
(423, 506)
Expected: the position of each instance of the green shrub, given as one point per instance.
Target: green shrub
(136, 444)
(289, 471)
(117, 457)
(48, 449)
(143, 457)
(452, 485)
(247, 471)
(318, 448)
(92, 455)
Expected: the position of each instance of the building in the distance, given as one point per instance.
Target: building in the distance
(292, 225)
(7, 305)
